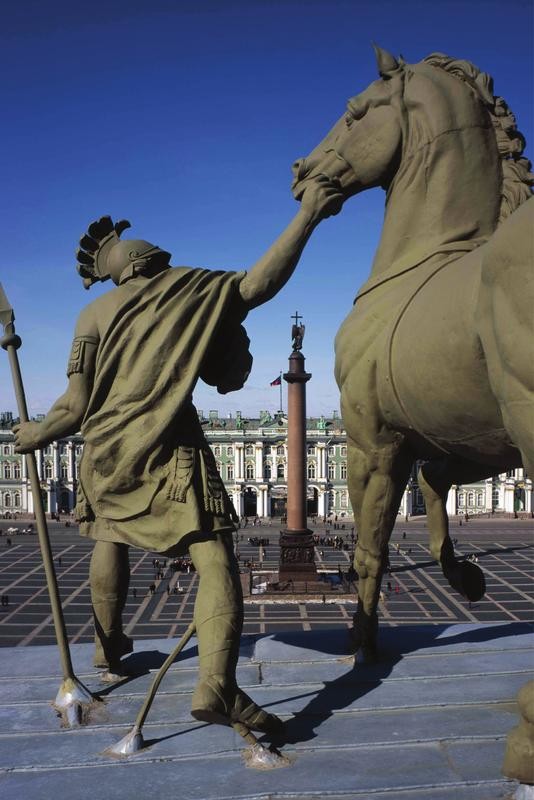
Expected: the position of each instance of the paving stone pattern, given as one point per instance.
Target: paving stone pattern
(419, 593)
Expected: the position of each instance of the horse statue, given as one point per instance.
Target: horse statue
(434, 362)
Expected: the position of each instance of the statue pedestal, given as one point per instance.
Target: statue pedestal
(297, 556)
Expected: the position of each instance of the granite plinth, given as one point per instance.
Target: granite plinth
(428, 722)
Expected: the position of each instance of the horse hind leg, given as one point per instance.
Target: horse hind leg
(435, 480)
(377, 477)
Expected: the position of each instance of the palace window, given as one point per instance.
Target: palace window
(343, 451)
(331, 450)
(16, 471)
(7, 471)
(480, 499)
(343, 472)
(249, 450)
(331, 472)
(63, 449)
(311, 449)
(229, 451)
(230, 472)
(7, 500)
(16, 500)
(64, 471)
(461, 499)
(249, 472)
(280, 472)
(7, 450)
(344, 500)
(267, 470)
(471, 499)
(280, 450)
(311, 471)
(217, 451)
(48, 470)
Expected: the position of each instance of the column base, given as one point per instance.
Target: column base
(297, 560)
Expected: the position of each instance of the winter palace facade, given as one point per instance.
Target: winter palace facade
(251, 454)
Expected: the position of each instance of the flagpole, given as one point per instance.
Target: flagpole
(281, 406)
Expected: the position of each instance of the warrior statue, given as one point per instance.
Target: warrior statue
(147, 476)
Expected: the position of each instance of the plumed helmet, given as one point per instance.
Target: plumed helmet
(138, 253)
(101, 249)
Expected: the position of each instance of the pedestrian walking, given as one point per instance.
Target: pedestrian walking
(152, 588)
(134, 592)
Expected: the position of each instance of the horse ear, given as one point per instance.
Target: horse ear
(386, 63)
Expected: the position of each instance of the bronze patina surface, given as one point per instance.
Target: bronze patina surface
(435, 360)
(147, 475)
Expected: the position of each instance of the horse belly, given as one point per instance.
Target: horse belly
(434, 377)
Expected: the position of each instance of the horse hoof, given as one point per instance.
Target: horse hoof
(473, 581)
(366, 655)
(468, 579)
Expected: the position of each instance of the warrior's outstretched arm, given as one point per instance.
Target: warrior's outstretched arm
(321, 199)
(67, 413)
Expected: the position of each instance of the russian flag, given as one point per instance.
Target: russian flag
(277, 381)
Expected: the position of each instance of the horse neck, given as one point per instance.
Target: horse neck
(445, 192)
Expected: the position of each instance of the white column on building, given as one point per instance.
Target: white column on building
(488, 495)
(239, 461)
(237, 500)
(70, 461)
(509, 495)
(452, 505)
(529, 498)
(321, 460)
(322, 503)
(39, 459)
(259, 464)
(55, 453)
(262, 501)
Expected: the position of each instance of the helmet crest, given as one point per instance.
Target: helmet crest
(95, 246)
(102, 254)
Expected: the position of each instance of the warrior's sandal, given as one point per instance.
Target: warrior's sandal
(209, 705)
(102, 662)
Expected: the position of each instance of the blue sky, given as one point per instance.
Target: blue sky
(185, 118)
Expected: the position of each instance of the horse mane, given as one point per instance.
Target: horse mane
(517, 179)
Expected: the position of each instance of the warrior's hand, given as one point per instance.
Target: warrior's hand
(27, 436)
(322, 197)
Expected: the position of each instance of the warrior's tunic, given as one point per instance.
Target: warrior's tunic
(147, 475)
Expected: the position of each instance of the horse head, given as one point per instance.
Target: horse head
(433, 135)
(362, 149)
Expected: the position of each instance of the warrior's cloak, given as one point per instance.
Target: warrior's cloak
(147, 475)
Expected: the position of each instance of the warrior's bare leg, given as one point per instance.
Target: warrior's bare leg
(109, 576)
(219, 622)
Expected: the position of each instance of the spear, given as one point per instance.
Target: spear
(73, 699)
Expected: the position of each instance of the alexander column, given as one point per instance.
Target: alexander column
(296, 542)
